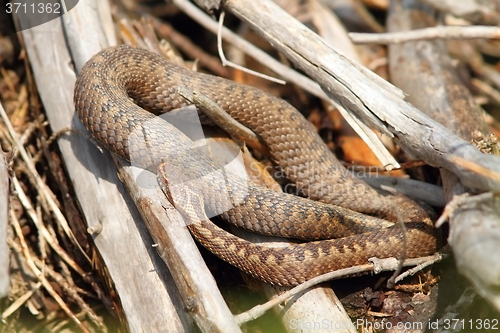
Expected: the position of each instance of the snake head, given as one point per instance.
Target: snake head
(187, 201)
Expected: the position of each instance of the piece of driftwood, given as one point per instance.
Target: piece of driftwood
(436, 32)
(377, 103)
(199, 295)
(207, 317)
(124, 244)
(114, 229)
(4, 212)
(191, 281)
(425, 71)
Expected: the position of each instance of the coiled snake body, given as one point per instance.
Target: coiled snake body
(116, 86)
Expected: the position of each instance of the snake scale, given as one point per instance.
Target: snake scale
(120, 92)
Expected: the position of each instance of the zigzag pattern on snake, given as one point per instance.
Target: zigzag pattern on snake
(116, 87)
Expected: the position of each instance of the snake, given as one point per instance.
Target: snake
(120, 96)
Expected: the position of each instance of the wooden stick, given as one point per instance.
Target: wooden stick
(428, 73)
(4, 211)
(440, 32)
(370, 100)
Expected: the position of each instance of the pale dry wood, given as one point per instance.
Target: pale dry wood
(478, 11)
(369, 100)
(99, 190)
(333, 32)
(41, 276)
(429, 193)
(318, 303)
(303, 308)
(438, 32)
(197, 291)
(4, 211)
(307, 305)
(425, 70)
(292, 76)
(176, 247)
(376, 266)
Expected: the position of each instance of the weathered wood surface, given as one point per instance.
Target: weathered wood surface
(199, 297)
(147, 293)
(370, 99)
(4, 213)
(107, 206)
(478, 11)
(292, 76)
(376, 102)
(424, 70)
(109, 212)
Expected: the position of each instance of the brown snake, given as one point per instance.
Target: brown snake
(117, 84)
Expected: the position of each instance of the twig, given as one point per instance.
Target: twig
(492, 93)
(43, 232)
(40, 184)
(307, 84)
(189, 48)
(226, 62)
(437, 257)
(402, 256)
(221, 118)
(440, 32)
(46, 284)
(377, 266)
(21, 299)
(462, 200)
